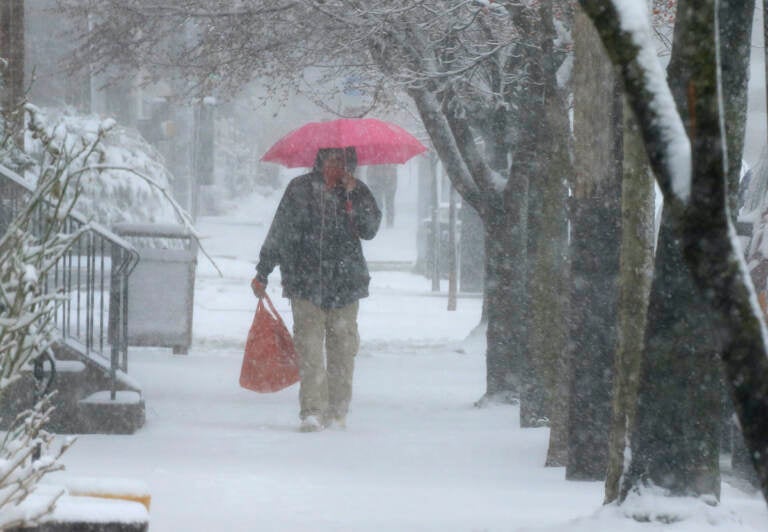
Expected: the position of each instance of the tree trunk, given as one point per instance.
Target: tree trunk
(676, 439)
(506, 249)
(533, 390)
(735, 19)
(549, 127)
(557, 450)
(555, 360)
(12, 50)
(497, 154)
(702, 218)
(548, 297)
(538, 138)
(530, 160)
(505, 222)
(472, 249)
(595, 237)
(637, 240)
(735, 23)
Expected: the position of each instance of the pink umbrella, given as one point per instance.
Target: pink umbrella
(376, 142)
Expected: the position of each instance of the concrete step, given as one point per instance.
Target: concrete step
(100, 414)
(119, 488)
(88, 514)
(127, 489)
(82, 402)
(71, 349)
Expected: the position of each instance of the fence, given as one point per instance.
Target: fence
(92, 276)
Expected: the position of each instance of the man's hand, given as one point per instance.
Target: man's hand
(348, 181)
(259, 290)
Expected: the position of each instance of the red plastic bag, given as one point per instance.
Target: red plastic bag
(270, 362)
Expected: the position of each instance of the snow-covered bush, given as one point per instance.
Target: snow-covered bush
(30, 247)
(27, 454)
(127, 180)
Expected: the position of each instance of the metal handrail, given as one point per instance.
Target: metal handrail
(92, 276)
(95, 226)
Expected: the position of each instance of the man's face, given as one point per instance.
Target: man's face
(333, 168)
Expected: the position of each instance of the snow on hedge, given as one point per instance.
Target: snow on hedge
(112, 192)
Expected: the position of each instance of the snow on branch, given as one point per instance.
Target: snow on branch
(29, 250)
(27, 454)
(625, 29)
(112, 194)
(203, 12)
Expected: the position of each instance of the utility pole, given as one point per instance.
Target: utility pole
(453, 264)
(436, 228)
(202, 154)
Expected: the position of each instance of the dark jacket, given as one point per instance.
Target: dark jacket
(316, 242)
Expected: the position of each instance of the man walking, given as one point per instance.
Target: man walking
(315, 239)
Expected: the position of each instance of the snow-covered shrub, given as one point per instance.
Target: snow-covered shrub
(30, 247)
(127, 180)
(27, 454)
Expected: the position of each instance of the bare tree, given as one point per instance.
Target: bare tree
(676, 435)
(636, 271)
(480, 78)
(594, 254)
(691, 172)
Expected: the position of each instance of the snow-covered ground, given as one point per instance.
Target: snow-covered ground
(416, 455)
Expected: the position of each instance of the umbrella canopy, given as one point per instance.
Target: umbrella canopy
(376, 142)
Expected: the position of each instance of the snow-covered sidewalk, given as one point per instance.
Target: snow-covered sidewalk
(416, 454)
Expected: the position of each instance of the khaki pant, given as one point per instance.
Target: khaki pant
(326, 381)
